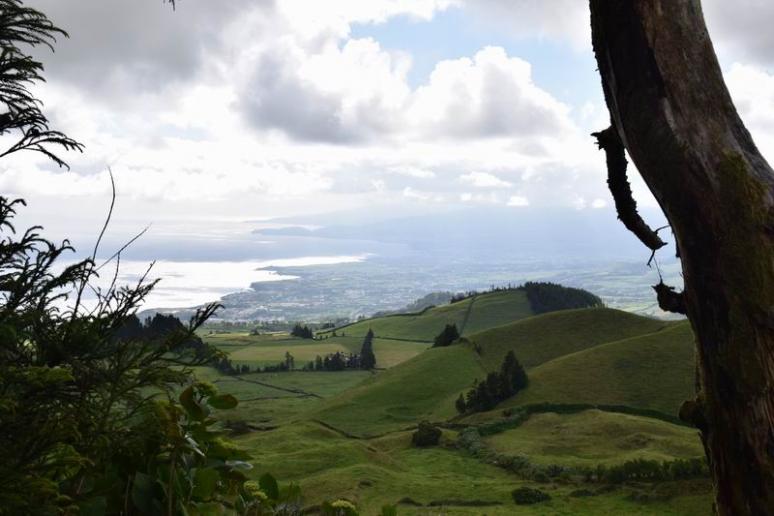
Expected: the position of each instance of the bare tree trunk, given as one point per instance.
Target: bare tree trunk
(671, 110)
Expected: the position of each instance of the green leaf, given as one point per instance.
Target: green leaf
(205, 483)
(209, 509)
(269, 486)
(146, 494)
(223, 402)
(290, 493)
(226, 450)
(96, 506)
(194, 410)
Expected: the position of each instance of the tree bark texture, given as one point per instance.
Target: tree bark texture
(672, 111)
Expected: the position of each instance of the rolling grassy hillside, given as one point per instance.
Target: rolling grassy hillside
(542, 338)
(346, 434)
(269, 349)
(595, 437)
(426, 386)
(470, 315)
(653, 371)
(421, 388)
(439, 480)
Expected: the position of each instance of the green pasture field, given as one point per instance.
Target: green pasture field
(470, 315)
(270, 349)
(388, 470)
(653, 371)
(596, 437)
(347, 434)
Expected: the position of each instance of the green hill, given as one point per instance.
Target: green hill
(653, 371)
(595, 437)
(470, 315)
(542, 338)
(426, 386)
(423, 387)
(269, 349)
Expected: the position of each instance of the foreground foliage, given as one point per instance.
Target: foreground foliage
(88, 412)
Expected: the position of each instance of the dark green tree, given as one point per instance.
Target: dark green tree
(367, 356)
(460, 404)
(449, 334)
(498, 386)
(514, 377)
(290, 361)
(302, 332)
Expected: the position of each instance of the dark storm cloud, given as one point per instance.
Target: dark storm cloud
(277, 98)
(121, 47)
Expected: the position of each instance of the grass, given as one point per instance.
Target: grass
(653, 371)
(267, 398)
(346, 434)
(426, 386)
(595, 437)
(270, 349)
(470, 315)
(389, 352)
(421, 388)
(537, 340)
(385, 470)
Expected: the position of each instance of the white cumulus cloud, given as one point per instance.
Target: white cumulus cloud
(484, 180)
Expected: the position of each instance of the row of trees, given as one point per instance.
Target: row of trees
(339, 361)
(462, 296)
(550, 297)
(302, 332)
(497, 387)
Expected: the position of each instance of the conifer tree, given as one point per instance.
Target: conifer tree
(449, 334)
(460, 404)
(367, 356)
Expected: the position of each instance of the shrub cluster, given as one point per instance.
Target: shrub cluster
(470, 439)
(647, 470)
(529, 496)
(427, 434)
(497, 387)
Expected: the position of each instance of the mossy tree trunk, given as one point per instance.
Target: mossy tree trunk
(671, 110)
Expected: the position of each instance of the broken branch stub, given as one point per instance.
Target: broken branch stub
(618, 182)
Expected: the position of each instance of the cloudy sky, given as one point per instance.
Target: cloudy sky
(246, 110)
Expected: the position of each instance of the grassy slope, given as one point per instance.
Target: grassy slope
(486, 311)
(377, 471)
(594, 437)
(261, 350)
(426, 386)
(382, 471)
(262, 404)
(421, 388)
(542, 338)
(653, 371)
(388, 352)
